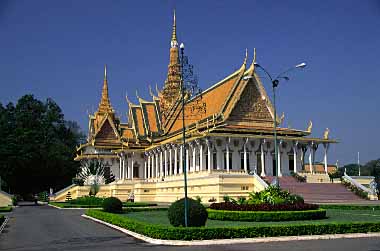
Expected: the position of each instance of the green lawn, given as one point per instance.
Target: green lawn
(5, 209)
(334, 216)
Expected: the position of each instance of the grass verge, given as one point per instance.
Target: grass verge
(238, 230)
(351, 207)
(5, 209)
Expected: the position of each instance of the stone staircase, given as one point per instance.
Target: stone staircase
(318, 192)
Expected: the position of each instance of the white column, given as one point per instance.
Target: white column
(279, 160)
(166, 170)
(194, 157)
(295, 157)
(161, 165)
(227, 157)
(262, 159)
(170, 161)
(157, 166)
(326, 145)
(187, 160)
(120, 167)
(200, 156)
(145, 168)
(311, 159)
(175, 160)
(209, 156)
(181, 159)
(123, 167)
(245, 156)
(152, 164)
(131, 167)
(149, 162)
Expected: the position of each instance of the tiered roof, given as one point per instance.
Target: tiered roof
(238, 105)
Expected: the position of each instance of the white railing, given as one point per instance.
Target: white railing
(63, 190)
(261, 181)
(370, 191)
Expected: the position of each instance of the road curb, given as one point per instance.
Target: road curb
(233, 241)
(4, 224)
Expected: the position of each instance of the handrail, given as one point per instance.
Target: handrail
(64, 189)
(260, 180)
(358, 185)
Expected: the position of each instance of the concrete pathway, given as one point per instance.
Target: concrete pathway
(47, 228)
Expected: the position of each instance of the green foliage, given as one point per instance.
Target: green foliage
(226, 198)
(94, 189)
(241, 200)
(274, 195)
(38, 146)
(88, 200)
(298, 177)
(198, 198)
(197, 214)
(43, 196)
(5, 209)
(209, 233)
(112, 205)
(266, 215)
(2, 218)
(15, 200)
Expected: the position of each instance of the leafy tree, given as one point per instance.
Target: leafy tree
(37, 146)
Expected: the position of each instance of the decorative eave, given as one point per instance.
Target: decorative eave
(106, 117)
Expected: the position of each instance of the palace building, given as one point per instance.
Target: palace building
(229, 139)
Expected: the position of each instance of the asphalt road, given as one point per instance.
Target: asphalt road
(47, 228)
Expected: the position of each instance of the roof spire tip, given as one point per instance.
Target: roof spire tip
(105, 72)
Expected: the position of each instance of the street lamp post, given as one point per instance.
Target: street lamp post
(182, 47)
(275, 83)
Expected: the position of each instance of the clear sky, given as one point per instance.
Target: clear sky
(58, 49)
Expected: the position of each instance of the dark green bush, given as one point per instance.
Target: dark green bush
(266, 215)
(197, 214)
(2, 218)
(5, 209)
(88, 200)
(112, 205)
(208, 233)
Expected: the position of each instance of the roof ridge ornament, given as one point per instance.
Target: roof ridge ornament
(309, 127)
(243, 66)
(173, 41)
(105, 72)
(252, 66)
(128, 101)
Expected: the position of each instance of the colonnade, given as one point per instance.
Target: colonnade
(231, 155)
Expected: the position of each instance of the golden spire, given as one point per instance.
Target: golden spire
(105, 105)
(174, 42)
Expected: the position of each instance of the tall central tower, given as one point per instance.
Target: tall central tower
(172, 86)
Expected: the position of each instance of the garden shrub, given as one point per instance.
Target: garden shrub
(266, 215)
(274, 195)
(298, 177)
(5, 209)
(209, 233)
(88, 200)
(263, 207)
(112, 205)
(197, 214)
(2, 218)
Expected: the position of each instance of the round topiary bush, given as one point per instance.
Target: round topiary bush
(112, 205)
(197, 214)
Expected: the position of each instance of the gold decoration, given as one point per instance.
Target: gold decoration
(310, 126)
(326, 133)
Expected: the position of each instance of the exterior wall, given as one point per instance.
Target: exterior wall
(5, 199)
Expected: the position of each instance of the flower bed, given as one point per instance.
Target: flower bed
(266, 215)
(263, 207)
(207, 233)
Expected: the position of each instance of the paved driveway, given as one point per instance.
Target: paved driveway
(47, 228)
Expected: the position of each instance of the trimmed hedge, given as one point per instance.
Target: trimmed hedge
(5, 209)
(112, 205)
(125, 204)
(263, 207)
(351, 207)
(209, 233)
(266, 215)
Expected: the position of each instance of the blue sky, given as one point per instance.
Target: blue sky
(58, 49)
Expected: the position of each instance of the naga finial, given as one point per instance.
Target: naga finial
(326, 133)
(310, 126)
(282, 118)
